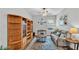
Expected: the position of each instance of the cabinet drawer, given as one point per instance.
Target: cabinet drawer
(15, 43)
(11, 30)
(14, 26)
(14, 47)
(14, 20)
(14, 33)
(12, 39)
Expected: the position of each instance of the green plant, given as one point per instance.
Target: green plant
(5, 48)
(1, 48)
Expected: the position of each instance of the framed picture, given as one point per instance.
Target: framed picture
(63, 20)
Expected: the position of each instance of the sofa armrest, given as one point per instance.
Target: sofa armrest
(54, 38)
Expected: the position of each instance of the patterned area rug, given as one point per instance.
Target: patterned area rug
(47, 45)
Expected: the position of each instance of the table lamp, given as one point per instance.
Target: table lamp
(73, 31)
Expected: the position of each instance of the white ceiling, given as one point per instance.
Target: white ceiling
(51, 11)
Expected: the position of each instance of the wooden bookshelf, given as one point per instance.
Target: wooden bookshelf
(19, 35)
(29, 31)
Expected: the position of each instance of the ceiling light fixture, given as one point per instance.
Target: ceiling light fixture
(44, 12)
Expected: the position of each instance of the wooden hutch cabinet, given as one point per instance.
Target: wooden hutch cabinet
(19, 32)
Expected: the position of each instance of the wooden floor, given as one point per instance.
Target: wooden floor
(48, 45)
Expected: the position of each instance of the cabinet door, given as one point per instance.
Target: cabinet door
(14, 32)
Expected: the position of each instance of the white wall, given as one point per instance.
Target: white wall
(3, 22)
(0, 29)
(73, 15)
(37, 26)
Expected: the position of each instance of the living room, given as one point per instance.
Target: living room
(45, 28)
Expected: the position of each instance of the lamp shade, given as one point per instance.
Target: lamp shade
(73, 30)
